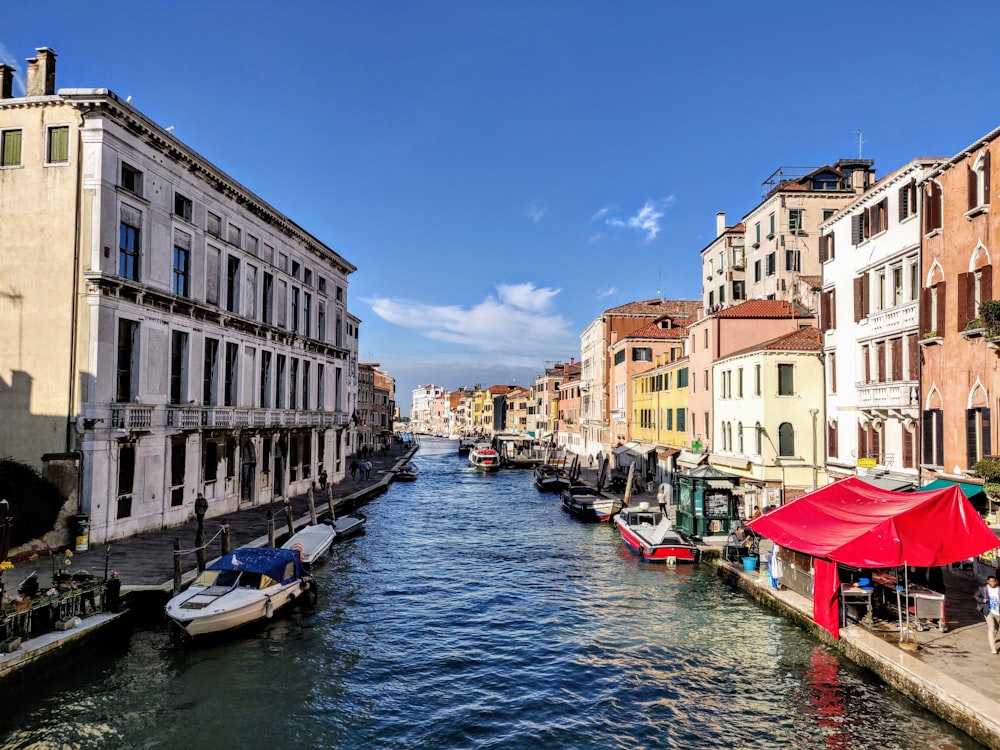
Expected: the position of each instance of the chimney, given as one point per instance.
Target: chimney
(720, 223)
(6, 81)
(42, 73)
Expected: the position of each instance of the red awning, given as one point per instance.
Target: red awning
(855, 523)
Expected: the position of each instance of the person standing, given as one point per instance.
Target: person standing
(200, 509)
(354, 467)
(988, 603)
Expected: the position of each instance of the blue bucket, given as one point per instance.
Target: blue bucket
(750, 564)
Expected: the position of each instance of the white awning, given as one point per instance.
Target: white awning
(630, 447)
(720, 484)
(689, 460)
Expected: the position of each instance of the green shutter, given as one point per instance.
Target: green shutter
(10, 151)
(58, 145)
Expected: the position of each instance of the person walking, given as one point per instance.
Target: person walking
(988, 603)
(354, 467)
(368, 469)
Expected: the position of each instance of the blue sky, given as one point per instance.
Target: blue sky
(502, 172)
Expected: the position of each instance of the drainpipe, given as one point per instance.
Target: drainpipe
(814, 413)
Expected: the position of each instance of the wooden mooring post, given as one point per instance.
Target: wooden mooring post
(329, 502)
(288, 516)
(227, 544)
(270, 528)
(312, 504)
(199, 548)
(177, 566)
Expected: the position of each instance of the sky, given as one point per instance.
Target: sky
(503, 172)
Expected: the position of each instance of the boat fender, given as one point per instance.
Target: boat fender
(268, 609)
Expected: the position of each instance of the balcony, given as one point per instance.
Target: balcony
(131, 417)
(228, 418)
(894, 320)
(900, 394)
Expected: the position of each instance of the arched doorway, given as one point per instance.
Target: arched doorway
(248, 472)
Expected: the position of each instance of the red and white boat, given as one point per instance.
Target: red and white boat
(649, 534)
(485, 459)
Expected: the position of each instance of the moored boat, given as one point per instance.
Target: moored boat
(242, 587)
(485, 459)
(649, 534)
(589, 503)
(550, 478)
(349, 525)
(311, 542)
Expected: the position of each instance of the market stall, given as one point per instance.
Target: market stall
(853, 523)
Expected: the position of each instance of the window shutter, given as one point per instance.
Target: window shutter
(939, 437)
(987, 438)
(856, 223)
(859, 310)
(963, 300)
(866, 282)
(896, 353)
(986, 178)
(925, 311)
(903, 204)
(970, 438)
(927, 433)
(940, 308)
(913, 357)
(986, 283)
(907, 447)
(824, 241)
(832, 247)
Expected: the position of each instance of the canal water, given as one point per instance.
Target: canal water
(474, 613)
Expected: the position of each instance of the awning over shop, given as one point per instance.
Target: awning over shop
(689, 459)
(975, 492)
(719, 484)
(887, 483)
(664, 453)
(630, 447)
(855, 523)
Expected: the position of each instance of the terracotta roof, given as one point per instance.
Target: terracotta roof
(814, 282)
(679, 308)
(653, 331)
(499, 390)
(807, 339)
(765, 308)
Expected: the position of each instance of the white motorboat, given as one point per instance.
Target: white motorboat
(484, 458)
(407, 473)
(242, 587)
(312, 542)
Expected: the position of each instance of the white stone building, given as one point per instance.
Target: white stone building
(170, 332)
(869, 313)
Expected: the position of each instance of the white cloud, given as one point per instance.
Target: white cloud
(513, 325)
(536, 211)
(9, 59)
(646, 220)
(606, 292)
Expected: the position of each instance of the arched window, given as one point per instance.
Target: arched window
(786, 439)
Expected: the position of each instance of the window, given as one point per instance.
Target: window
(620, 356)
(209, 461)
(793, 260)
(831, 359)
(321, 322)
(831, 440)
(322, 284)
(756, 270)
(10, 148)
(210, 372)
(131, 179)
(756, 381)
(897, 285)
(126, 479)
(682, 377)
(295, 309)
(320, 389)
(265, 380)
(231, 383)
(234, 236)
(233, 284)
(182, 264)
(279, 397)
(126, 382)
(306, 313)
(177, 460)
(305, 384)
(183, 207)
(756, 241)
(770, 225)
(977, 431)
(786, 384)
(828, 212)
(267, 299)
(739, 383)
(230, 458)
(979, 182)
(213, 259)
(932, 429)
(129, 243)
(213, 225)
(932, 207)
(770, 264)
(252, 244)
(642, 354)
(681, 419)
(178, 367)
(758, 439)
(57, 145)
(296, 270)
(795, 220)
(786, 440)
(908, 200)
(251, 296)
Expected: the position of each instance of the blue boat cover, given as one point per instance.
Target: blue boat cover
(270, 561)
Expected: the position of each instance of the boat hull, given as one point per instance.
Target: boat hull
(673, 549)
(590, 507)
(225, 615)
(485, 460)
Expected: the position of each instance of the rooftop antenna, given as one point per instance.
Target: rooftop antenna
(860, 142)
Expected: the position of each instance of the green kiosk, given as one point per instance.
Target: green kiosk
(707, 501)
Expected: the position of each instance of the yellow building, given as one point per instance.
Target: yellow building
(659, 417)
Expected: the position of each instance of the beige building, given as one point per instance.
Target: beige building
(168, 331)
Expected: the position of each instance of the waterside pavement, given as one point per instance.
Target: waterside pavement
(145, 563)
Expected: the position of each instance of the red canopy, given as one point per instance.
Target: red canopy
(855, 523)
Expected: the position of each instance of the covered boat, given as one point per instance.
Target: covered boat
(484, 458)
(311, 542)
(589, 503)
(550, 478)
(244, 586)
(349, 525)
(649, 534)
